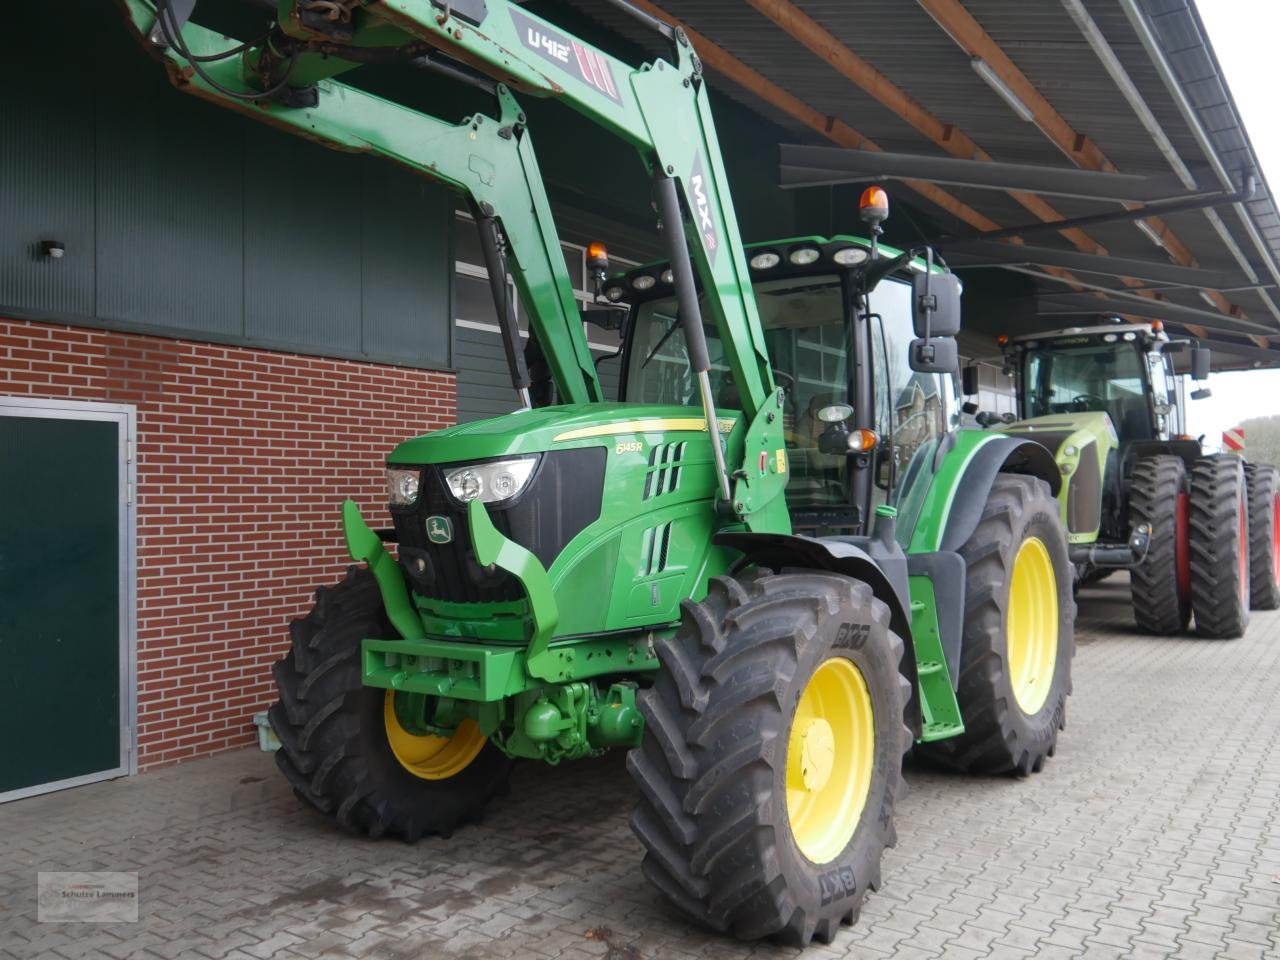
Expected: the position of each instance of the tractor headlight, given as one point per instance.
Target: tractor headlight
(850, 256)
(402, 485)
(490, 482)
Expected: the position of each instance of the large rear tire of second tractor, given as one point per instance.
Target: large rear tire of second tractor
(1160, 586)
(1263, 481)
(772, 755)
(341, 744)
(1219, 547)
(1015, 658)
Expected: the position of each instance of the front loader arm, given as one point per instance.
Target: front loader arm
(660, 108)
(489, 161)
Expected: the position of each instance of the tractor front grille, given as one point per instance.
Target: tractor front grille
(562, 498)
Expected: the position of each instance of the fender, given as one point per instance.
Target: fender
(973, 482)
(964, 471)
(778, 550)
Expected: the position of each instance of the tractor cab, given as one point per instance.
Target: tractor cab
(808, 292)
(1123, 372)
(1101, 398)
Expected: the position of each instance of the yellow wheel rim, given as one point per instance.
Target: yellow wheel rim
(830, 757)
(431, 757)
(1032, 626)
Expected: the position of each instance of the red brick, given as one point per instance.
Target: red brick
(244, 457)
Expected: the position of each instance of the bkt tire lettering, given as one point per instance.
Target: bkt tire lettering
(837, 884)
(853, 636)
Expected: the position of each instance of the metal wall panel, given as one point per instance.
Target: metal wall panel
(183, 219)
(46, 174)
(407, 255)
(302, 258)
(484, 384)
(169, 230)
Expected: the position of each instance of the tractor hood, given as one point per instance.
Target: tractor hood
(1061, 432)
(1081, 444)
(556, 427)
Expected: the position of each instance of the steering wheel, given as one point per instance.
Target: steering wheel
(1083, 402)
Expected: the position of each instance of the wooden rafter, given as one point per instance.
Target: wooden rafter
(970, 36)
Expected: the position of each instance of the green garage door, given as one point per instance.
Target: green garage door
(64, 565)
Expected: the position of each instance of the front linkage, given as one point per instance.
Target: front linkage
(539, 702)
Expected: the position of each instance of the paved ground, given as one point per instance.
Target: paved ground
(1155, 832)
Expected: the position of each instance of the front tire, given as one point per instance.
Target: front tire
(772, 755)
(1015, 661)
(1219, 547)
(1160, 586)
(1263, 482)
(342, 747)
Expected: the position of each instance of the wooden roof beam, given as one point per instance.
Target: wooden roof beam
(827, 47)
(970, 36)
(837, 131)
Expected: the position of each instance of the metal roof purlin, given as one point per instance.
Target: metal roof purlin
(969, 35)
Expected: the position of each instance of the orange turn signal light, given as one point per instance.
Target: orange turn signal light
(597, 255)
(1002, 340)
(1157, 326)
(862, 440)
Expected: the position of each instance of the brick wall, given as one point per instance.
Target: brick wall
(243, 459)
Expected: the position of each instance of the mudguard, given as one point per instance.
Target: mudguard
(962, 479)
(778, 550)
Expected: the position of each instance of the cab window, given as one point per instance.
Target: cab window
(912, 409)
(806, 337)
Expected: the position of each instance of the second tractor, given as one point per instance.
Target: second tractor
(1199, 532)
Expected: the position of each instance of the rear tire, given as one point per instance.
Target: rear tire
(1001, 735)
(1161, 594)
(1219, 547)
(716, 769)
(1263, 482)
(333, 734)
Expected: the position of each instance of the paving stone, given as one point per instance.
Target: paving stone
(1154, 832)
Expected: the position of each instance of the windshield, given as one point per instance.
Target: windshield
(1092, 377)
(805, 334)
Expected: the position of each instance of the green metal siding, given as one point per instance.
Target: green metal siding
(184, 220)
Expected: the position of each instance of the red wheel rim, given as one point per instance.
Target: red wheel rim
(1243, 513)
(1275, 538)
(1182, 554)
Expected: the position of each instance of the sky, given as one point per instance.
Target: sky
(1243, 34)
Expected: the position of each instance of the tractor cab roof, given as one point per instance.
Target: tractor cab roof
(1105, 332)
(791, 257)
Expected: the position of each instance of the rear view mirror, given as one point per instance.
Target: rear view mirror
(1204, 393)
(969, 381)
(935, 355)
(935, 304)
(1200, 363)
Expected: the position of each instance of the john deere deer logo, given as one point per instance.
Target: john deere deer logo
(439, 529)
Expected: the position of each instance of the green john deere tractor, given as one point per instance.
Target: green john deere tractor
(1197, 532)
(595, 574)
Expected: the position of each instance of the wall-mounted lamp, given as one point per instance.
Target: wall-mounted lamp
(53, 249)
